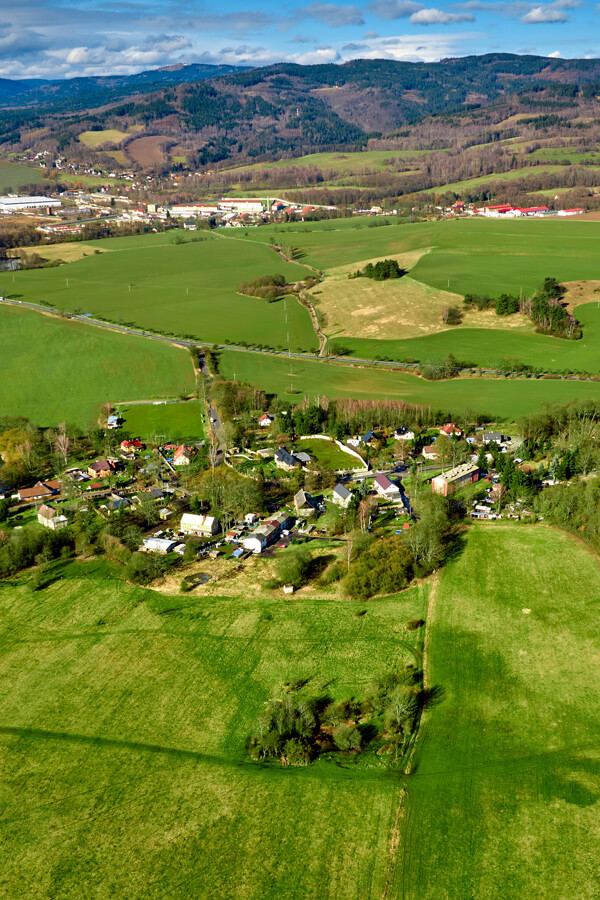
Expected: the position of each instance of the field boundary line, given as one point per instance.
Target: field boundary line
(430, 609)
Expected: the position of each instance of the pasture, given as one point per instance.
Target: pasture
(182, 421)
(53, 370)
(501, 398)
(186, 289)
(12, 175)
(398, 309)
(486, 347)
(106, 136)
(123, 724)
(504, 797)
(454, 257)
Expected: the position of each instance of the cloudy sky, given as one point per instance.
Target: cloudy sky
(65, 38)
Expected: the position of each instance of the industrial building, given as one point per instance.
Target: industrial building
(10, 205)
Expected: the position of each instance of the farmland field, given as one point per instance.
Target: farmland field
(52, 370)
(107, 136)
(504, 800)
(123, 724)
(474, 255)
(187, 289)
(12, 175)
(501, 398)
(173, 421)
(486, 347)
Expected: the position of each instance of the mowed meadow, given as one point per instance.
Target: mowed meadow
(175, 284)
(505, 796)
(53, 370)
(124, 716)
(453, 257)
(498, 397)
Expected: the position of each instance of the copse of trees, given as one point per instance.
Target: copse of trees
(267, 287)
(380, 271)
(548, 313)
(295, 728)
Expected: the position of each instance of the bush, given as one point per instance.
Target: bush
(293, 567)
(347, 737)
(452, 315)
(386, 567)
(296, 753)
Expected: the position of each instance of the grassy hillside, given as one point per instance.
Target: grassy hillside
(187, 288)
(504, 800)
(501, 398)
(12, 175)
(123, 731)
(52, 370)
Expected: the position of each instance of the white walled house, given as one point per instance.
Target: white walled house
(202, 526)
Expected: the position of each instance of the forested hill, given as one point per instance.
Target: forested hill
(289, 109)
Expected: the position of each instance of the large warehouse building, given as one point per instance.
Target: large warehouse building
(19, 204)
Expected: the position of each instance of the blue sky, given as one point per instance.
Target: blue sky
(66, 38)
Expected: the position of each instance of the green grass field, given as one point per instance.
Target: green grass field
(174, 421)
(504, 799)
(184, 289)
(487, 347)
(108, 135)
(328, 454)
(474, 255)
(12, 175)
(123, 723)
(512, 175)
(342, 163)
(501, 398)
(467, 255)
(52, 370)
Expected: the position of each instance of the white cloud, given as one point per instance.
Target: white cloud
(556, 55)
(540, 14)
(439, 17)
(415, 47)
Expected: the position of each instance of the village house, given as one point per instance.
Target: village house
(286, 460)
(450, 430)
(265, 420)
(304, 504)
(386, 488)
(451, 481)
(267, 532)
(40, 491)
(102, 468)
(429, 452)
(182, 456)
(342, 496)
(493, 437)
(402, 433)
(51, 518)
(131, 446)
(201, 526)
(113, 422)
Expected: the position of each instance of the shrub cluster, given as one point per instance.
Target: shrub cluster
(380, 271)
(295, 729)
(268, 287)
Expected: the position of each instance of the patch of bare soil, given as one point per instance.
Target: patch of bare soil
(579, 292)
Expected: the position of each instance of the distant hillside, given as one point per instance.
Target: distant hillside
(203, 116)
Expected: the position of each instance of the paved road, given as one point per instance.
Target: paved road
(182, 342)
